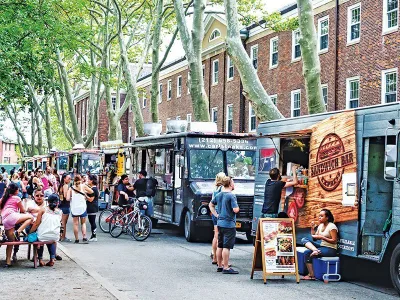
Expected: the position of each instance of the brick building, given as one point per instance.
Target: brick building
(8, 153)
(359, 50)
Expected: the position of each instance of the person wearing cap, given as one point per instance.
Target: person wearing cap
(47, 226)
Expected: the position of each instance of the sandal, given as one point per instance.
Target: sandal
(315, 253)
(307, 277)
(50, 263)
(214, 262)
(41, 264)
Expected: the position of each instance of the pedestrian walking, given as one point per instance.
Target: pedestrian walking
(48, 226)
(13, 213)
(64, 205)
(227, 210)
(218, 188)
(77, 194)
(93, 206)
(273, 191)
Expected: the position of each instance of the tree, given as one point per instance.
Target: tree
(311, 63)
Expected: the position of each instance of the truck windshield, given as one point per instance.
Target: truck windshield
(241, 164)
(205, 164)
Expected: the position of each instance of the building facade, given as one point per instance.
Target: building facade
(8, 153)
(359, 50)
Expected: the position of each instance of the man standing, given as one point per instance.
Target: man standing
(227, 208)
(273, 190)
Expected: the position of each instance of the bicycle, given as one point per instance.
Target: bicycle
(133, 223)
(106, 215)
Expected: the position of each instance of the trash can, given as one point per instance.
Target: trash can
(327, 268)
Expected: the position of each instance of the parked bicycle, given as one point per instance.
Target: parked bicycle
(131, 222)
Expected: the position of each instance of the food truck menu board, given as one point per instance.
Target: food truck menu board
(275, 248)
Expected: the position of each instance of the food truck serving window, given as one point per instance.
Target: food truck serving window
(63, 162)
(205, 164)
(90, 163)
(241, 164)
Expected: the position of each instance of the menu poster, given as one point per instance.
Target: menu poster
(275, 248)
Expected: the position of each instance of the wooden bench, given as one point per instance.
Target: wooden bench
(35, 248)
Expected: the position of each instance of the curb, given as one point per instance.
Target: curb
(96, 276)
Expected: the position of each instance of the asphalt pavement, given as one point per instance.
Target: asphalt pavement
(165, 266)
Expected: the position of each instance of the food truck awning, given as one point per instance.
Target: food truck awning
(303, 133)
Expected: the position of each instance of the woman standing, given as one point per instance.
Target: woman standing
(13, 213)
(327, 233)
(218, 187)
(93, 206)
(64, 204)
(77, 195)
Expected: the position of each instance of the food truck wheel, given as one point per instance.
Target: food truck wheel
(395, 268)
(189, 228)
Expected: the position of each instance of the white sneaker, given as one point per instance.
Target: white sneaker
(93, 239)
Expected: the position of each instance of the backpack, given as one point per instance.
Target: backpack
(151, 187)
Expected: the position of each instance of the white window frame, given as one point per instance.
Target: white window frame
(292, 102)
(214, 109)
(294, 59)
(275, 96)
(320, 21)
(129, 134)
(383, 83)
(188, 83)
(252, 116)
(160, 85)
(144, 100)
(227, 115)
(271, 52)
(349, 24)
(178, 86)
(114, 102)
(217, 36)
(215, 75)
(252, 55)
(189, 118)
(169, 89)
(203, 71)
(327, 93)
(348, 81)
(229, 66)
(385, 19)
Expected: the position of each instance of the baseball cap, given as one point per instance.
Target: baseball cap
(53, 198)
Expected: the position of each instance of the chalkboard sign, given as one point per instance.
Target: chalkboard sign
(275, 248)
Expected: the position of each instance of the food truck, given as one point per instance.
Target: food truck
(59, 161)
(84, 161)
(185, 165)
(350, 165)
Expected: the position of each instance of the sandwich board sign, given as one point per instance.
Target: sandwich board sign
(275, 248)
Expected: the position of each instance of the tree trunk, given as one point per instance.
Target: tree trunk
(39, 132)
(49, 137)
(33, 132)
(309, 52)
(192, 45)
(252, 88)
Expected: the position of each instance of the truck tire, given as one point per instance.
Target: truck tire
(249, 237)
(395, 268)
(189, 228)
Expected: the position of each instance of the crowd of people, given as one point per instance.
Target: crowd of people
(26, 213)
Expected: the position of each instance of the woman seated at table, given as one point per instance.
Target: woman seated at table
(327, 233)
(47, 225)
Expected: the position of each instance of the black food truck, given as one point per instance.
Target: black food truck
(185, 165)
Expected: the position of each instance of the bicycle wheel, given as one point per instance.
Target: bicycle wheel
(117, 225)
(104, 219)
(141, 230)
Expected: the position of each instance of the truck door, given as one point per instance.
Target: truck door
(178, 186)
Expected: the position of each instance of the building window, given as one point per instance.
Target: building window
(6, 160)
(129, 134)
(252, 119)
(295, 97)
(323, 34)
(214, 35)
(160, 93)
(204, 71)
(231, 71)
(178, 118)
(179, 86)
(352, 92)
(296, 50)
(273, 52)
(254, 56)
(189, 118)
(325, 95)
(144, 100)
(215, 71)
(390, 15)
(214, 115)
(273, 98)
(114, 103)
(229, 118)
(169, 89)
(389, 86)
(188, 83)
(354, 23)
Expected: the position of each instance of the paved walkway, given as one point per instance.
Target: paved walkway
(66, 280)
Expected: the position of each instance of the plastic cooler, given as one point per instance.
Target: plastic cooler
(301, 261)
(327, 268)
